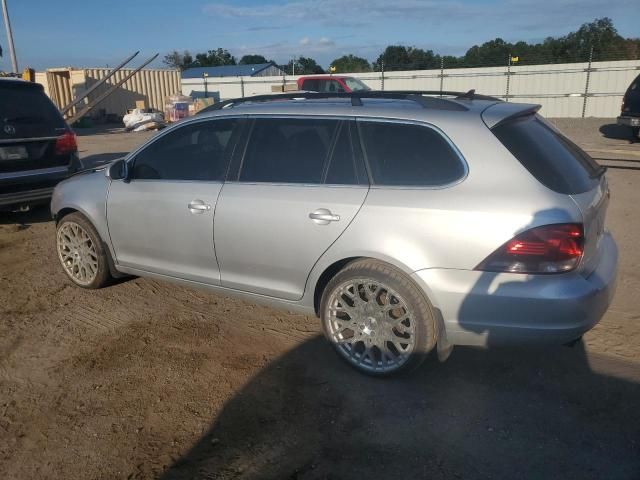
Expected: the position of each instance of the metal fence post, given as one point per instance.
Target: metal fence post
(242, 87)
(441, 74)
(382, 74)
(586, 85)
(506, 96)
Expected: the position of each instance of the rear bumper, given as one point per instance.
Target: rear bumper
(485, 308)
(629, 121)
(25, 198)
(24, 188)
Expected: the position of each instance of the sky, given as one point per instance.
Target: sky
(93, 33)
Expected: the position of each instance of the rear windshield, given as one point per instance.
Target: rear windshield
(25, 106)
(553, 159)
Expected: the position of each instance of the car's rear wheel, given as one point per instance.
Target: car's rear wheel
(81, 252)
(635, 133)
(377, 319)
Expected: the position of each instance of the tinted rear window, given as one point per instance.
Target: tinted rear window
(554, 160)
(25, 107)
(410, 155)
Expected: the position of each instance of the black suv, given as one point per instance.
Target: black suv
(630, 114)
(37, 147)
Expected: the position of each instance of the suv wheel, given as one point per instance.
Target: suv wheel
(377, 319)
(81, 252)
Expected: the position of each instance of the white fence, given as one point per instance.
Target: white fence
(563, 90)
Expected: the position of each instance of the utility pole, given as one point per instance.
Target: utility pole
(7, 24)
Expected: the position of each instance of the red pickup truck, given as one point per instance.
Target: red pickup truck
(330, 83)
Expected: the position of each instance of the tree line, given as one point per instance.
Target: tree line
(599, 38)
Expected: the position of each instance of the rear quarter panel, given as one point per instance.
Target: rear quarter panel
(458, 226)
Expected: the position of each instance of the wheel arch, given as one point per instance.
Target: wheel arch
(323, 274)
(67, 210)
(328, 272)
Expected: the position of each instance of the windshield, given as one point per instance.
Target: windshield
(355, 85)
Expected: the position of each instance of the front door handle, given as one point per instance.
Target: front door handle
(322, 216)
(198, 206)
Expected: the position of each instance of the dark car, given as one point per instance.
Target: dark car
(37, 147)
(630, 113)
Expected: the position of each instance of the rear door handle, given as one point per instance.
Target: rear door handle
(198, 206)
(322, 216)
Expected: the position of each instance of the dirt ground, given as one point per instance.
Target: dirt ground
(148, 380)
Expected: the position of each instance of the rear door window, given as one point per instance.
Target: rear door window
(288, 150)
(409, 155)
(554, 160)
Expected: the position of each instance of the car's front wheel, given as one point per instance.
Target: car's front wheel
(377, 319)
(81, 252)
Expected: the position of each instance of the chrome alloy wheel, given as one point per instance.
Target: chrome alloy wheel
(77, 252)
(371, 325)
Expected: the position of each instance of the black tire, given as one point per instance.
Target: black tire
(102, 275)
(419, 314)
(635, 133)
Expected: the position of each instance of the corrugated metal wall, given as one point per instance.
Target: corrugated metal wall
(62, 85)
(558, 88)
(150, 85)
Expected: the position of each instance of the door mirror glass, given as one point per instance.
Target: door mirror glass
(118, 170)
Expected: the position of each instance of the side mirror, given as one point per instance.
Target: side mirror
(118, 170)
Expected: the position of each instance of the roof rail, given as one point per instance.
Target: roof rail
(470, 95)
(425, 98)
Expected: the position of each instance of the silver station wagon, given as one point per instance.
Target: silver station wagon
(406, 221)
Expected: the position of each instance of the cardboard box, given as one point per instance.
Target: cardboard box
(141, 104)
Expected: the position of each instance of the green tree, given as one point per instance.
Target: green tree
(303, 66)
(178, 60)
(351, 64)
(399, 57)
(214, 58)
(492, 53)
(253, 59)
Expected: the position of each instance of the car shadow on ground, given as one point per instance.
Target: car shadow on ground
(499, 413)
(618, 132)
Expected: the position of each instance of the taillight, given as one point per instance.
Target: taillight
(66, 143)
(553, 248)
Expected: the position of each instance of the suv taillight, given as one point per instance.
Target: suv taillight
(66, 144)
(555, 248)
